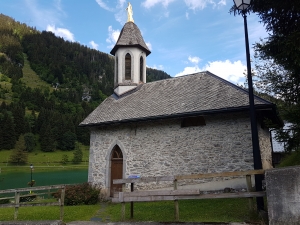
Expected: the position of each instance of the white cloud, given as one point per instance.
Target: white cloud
(159, 67)
(150, 3)
(121, 3)
(231, 71)
(42, 17)
(113, 36)
(189, 70)
(201, 4)
(194, 59)
(104, 6)
(187, 15)
(149, 45)
(61, 32)
(222, 2)
(94, 45)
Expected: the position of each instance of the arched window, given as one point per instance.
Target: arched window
(117, 153)
(141, 68)
(127, 67)
(117, 70)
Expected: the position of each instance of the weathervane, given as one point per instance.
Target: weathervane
(129, 13)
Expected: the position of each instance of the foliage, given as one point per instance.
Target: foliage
(80, 194)
(77, 158)
(7, 130)
(290, 159)
(29, 142)
(4, 201)
(78, 80)
(19, 155)
(68, 141)
(278, 66)
(64, 159)
(153, 75)
(31, 183)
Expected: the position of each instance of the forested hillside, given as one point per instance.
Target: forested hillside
(48, 86)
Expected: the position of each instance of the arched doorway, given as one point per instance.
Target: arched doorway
(116, 171)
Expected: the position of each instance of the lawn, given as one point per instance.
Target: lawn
(208, 210)
(44, 160)
(35, 213)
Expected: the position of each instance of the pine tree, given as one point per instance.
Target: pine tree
(18, 155)
(7, 132)
(77, 155)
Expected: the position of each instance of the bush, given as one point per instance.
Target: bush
(80, 194)
(4, 201)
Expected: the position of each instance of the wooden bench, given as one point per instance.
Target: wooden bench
(175, 195)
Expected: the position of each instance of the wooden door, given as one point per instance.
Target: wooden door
(116, 170)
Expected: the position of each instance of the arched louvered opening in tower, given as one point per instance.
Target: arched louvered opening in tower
(141, 69)
(128, 67)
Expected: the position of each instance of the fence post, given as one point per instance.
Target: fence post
(123, 205)
(62, 202)
(249, 189)
(176, 203)
(17, 202)
(131, 203)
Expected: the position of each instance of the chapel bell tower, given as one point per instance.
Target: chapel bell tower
(130, 54)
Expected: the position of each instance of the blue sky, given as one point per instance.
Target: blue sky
(184, 36)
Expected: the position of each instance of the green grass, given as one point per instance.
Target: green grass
(71, 213)
(208, 210)
(31, 79)
(45, 160)
(291, 159)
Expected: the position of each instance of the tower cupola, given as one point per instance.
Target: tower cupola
(130, 54)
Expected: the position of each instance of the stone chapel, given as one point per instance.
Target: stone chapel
(198, 123)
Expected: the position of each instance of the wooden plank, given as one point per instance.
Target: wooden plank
(39, 204)
(24, 204)
(131, 203)
(176, 205)
(201, 196)
(223, 174)
(17, 201)
(160, 192)
(249, 189)
(62, 202)
(31, 189)
(143, 179)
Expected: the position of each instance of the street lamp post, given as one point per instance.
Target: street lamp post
(242, 5)
(31, 168)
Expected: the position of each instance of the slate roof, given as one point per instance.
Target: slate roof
(190, 95)
(130, 36)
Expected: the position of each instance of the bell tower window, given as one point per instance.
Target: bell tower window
(141, 69)
(127, 67)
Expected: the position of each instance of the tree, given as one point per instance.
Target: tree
(68, 141)
(278, 69)
(29, 142)
(77, 155)
(18, 155)
(7, 131)
(64, 159)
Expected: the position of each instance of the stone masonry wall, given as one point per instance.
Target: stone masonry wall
(164, 148)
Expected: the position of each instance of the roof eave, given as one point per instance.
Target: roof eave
(181, 115)
(116, 47)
